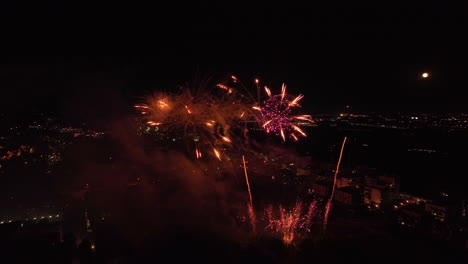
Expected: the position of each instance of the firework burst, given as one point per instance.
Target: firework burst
(276, 115)
(203, 116)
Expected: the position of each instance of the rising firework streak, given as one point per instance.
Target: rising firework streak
(329, 202)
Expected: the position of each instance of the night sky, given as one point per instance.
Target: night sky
(91, 58)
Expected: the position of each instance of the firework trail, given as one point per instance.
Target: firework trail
(276, 114)
(247, 181)
(291, 225)
(251, 210)
(329, 202)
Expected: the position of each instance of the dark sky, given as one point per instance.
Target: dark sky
(98, 56)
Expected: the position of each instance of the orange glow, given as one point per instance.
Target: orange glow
(234, 78)
(282, 135)
(197, 153)
(226, 139)
(242, 115)
(162, 104)
(188, 110)
(256, 108)
(256, 81)
(288, 238)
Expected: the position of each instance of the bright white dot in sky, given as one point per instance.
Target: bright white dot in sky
(425, 75)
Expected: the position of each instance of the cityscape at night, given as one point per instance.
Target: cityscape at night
(325, 133)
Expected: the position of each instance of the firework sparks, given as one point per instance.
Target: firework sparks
(283, 92)
(152, 123)
(291, 225)
(217, 154)
(282, 134)
(256, 108)
(266, 123)
(226, 139)
(329, 202)
(198, 153)
(142, 106)
(294, 102)
(276, 114)
(304, 117)
(222, 86)
(188, 110)
(268, 92)
(294, 137)
(299, 130)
